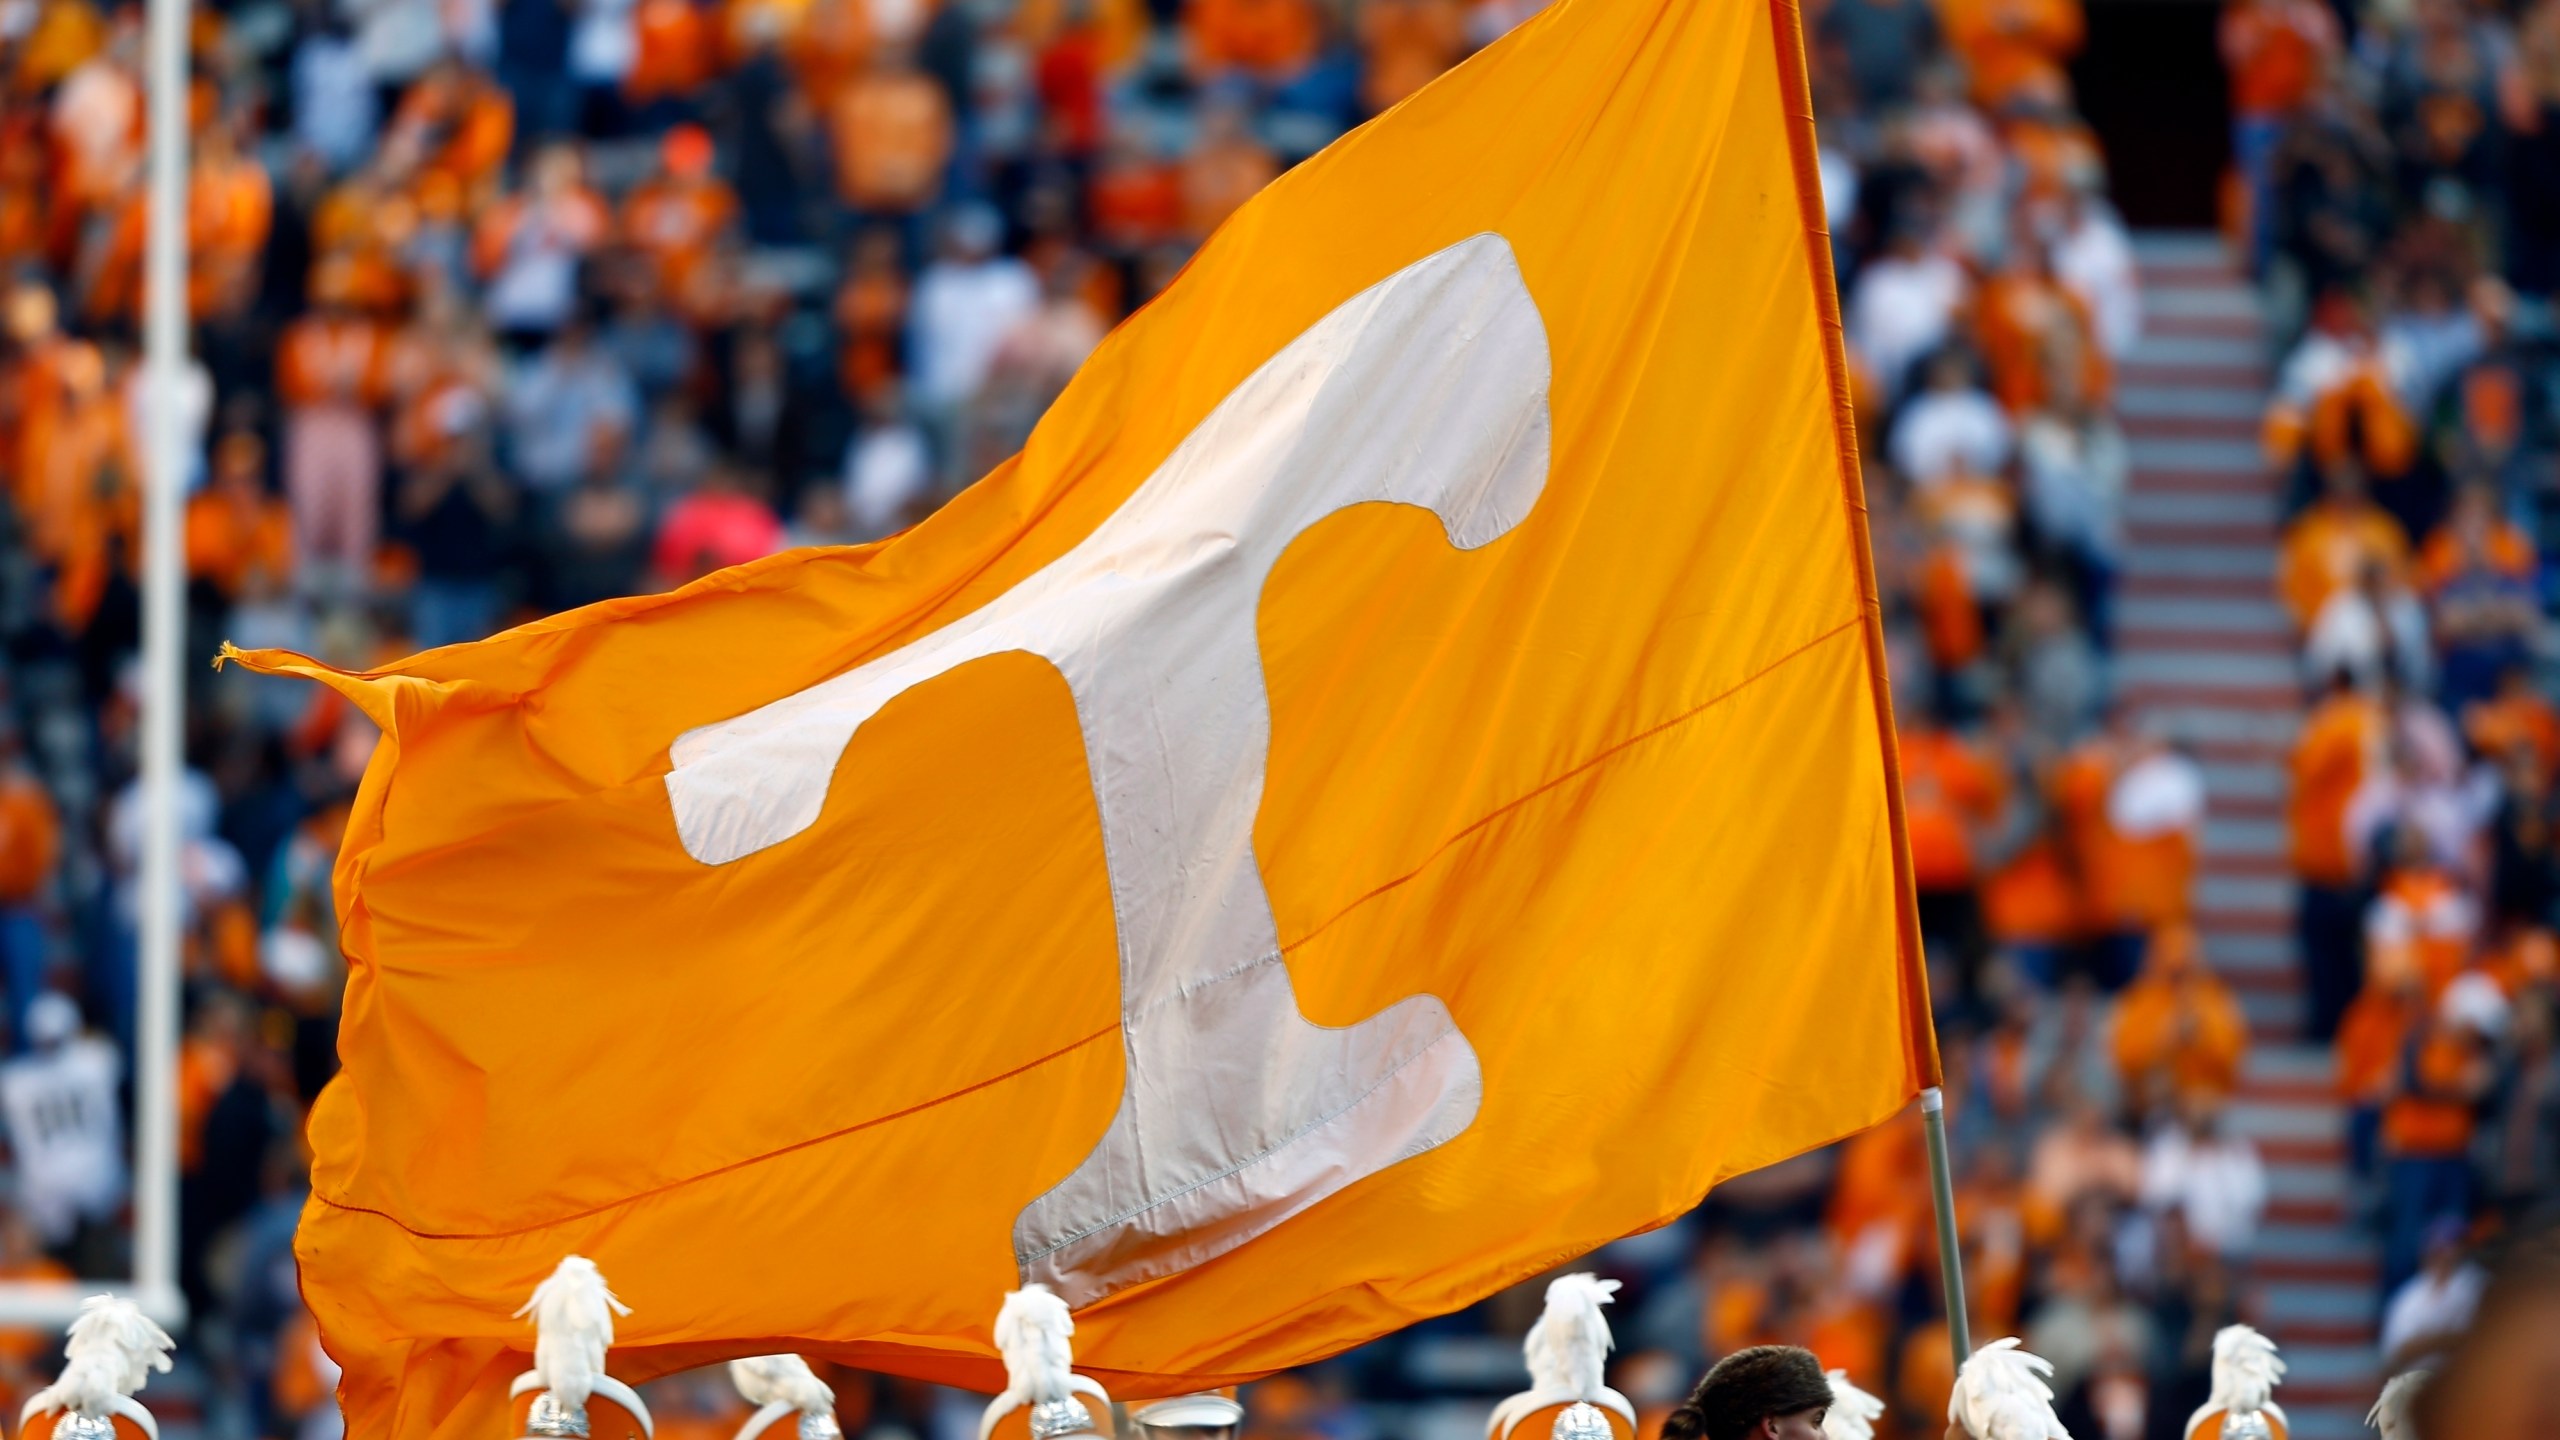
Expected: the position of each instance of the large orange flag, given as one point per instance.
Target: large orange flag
(1390, 790)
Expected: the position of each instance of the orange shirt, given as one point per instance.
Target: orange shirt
(676, 224)
(2020, 315)
(1220, 177)
(1277, 37)
(229, 534)
(332, 359)
(2423, 924)
(2444, 559)
(30, 836)
(893, 137)
(2033, 899)
(2370, 1038)
(2186, 1028)
(1948, 792)
(2340, 743)
(2432, 1114)
(1406, 44)
(2325, 547)
(2011, 46)
(2275, 51)
(2497, 726)
(674, 50)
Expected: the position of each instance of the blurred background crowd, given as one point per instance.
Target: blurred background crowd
(505, 306)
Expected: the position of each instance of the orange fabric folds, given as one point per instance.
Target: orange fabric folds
(1390, 790)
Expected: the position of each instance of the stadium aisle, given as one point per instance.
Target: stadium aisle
(2207, 651)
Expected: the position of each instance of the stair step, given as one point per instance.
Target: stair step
(2239, 671)
(2239, 459)
(2235, 508)
(2236, 351)
(2256, 615)
(2181, 247)
(2186, 400)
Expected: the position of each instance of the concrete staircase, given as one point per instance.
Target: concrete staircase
(2206, 653)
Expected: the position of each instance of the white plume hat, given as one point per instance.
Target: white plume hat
(111, 1353)
(1853, 1412)
(1043, 1398)
(784, 1385)
(2004, 1393)
(2246, 1371)
(1568, 1354)
(567, 1395)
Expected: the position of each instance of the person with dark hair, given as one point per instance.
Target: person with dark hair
(1767, 1392)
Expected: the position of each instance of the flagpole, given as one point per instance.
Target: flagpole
(163, 476)
(1942, 1193)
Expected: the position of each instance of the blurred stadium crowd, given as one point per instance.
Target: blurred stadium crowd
(508, 307)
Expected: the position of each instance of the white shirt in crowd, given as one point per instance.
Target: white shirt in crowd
(335, 105)
(1900, 311)
(2094, 260)
(1950, 432)
(2074, 478)
(2216, 1185)
(2353, 634)
(2429, 1304)
(961, 313)
(886, 469)
(67, 1134)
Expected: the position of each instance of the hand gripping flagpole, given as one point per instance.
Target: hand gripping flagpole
(1942, 1192)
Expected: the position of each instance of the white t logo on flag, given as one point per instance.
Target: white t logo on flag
(1428, 389)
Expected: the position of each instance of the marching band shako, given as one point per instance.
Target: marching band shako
(1567, 1351)
(2246, 1371)
(112, 1350)
(1043, 1399)
(567, 1395)
(782, 1386)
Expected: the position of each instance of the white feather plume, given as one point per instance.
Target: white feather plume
(2246, 1369)
(1032, 1331)
(112, 1351)
(782, 1380)
(1853, 1413)
(2394, 1414)
(2002, 1394)
(1568, 1349)
(572, 1328)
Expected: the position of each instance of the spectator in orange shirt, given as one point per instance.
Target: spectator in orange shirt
(2334, 540)
(1951, 795)
(2178, 1029)
(30, 844)
(2477, 572)
(892, 135)
(2422, 920)
(331, 374)
(2277, 53)
(679, 217)
(2343, 743)
(2011, 46)
(2441, 1076)
(1225, 171)
(1271, 40)
(1405, 44)
(2375, 1030)
(235, 526)
(2517, 717)
(675, 49)
(2132, 809)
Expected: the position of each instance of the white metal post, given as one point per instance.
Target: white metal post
(164, 344)
(164, 474)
